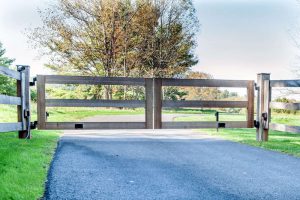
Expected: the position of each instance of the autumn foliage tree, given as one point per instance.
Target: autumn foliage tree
(132, 38)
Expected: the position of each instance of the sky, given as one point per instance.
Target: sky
(237, 38)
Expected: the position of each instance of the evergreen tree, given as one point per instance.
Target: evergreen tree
(8, 85)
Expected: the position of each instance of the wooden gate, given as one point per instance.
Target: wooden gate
(153, 102)
(54, 79)
(249, 104)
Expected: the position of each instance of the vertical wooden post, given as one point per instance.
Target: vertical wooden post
(23, 91)
(250, 106)
(41, 106)
(157, 108)
(153, 103)
(149, 103)
(263, 108)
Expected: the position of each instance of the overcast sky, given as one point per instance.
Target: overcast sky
(238, 38)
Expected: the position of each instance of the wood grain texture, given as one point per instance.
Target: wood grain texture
(209, 124)
(157, 109)
(94, 125)
(250, 104)
(206, 104)
(41, 103)
(8, 127)
(149, 87)
(10, 73)
(285, 128)
(205, 83)
(285, 83)
(10, 100)
(287, 106)
(263, 83)
(93, 80)
(94, 103)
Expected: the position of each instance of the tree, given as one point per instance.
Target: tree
(8, 85)
(118, 37)
(167, 37)
(200, 93)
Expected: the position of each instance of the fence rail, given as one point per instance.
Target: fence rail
(93, 125)
(93, 80)
(22, 100)
(285, 128)
(208, 124)
(206, 104)
(94, 103)
(10, 100)
(265, 104)
(205, 83)
(10, 73)
(8, 127)
(285, 83)
(286, 106)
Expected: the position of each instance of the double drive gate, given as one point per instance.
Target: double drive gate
(153, 102)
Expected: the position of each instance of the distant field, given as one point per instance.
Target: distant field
(8, 114)
(288, 119)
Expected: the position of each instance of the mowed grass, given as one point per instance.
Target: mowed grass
(76, 114)
(212, 117)
(24, 164)
(278, 141)
(288, 119)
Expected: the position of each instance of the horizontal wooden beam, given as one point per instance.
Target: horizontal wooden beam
(10, 73)
(285, 83)
(209, 124)
(8, 127)
(91, 80)
(286, 106)
(4, 99)
(94, 103)
(94, 125)
(206, 104)
(205, 83)
(285, 128)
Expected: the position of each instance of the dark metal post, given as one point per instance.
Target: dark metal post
(217, 120)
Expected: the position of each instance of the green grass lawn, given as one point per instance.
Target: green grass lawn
(288, 119)
(211, 117)
(24, 164)
(278, 141)
(76, 114)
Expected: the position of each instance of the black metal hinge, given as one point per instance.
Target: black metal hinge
(33, 125)
(256, 124)
(32, 83)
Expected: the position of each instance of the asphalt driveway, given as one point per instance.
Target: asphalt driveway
(167, 164)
